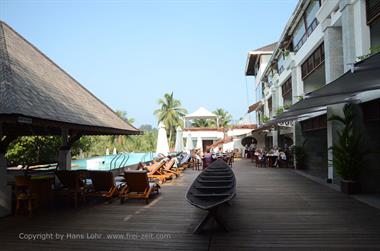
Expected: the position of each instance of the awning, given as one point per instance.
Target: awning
(255, 106)
(350, 87)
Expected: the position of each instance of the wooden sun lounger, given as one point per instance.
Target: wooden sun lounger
(137, 186)
(168, 168)
(155, 172)
(72, 184)
(103, 185)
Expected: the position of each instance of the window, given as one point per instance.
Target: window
(310, 13)
(287, 87)
(373, 10)
(270, 79)
(281, 63)
(373, 20)
(371, 110)
(270, 105)
(298, 33)
(259, 92)
(306, 25)
(316, 123)
(313, 62)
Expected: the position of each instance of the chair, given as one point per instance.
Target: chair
(138, 186)
(24, 194)
(263, 161)
(184, 162)
(103, 185)
(72, 184)
(154, 171)
(168, 169)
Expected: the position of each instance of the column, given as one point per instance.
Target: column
(355, 31)
(275, 133)
(332, 129)
(5, 190)
(297, 83)
(64, 158)
(333, 50)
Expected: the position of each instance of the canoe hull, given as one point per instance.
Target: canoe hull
(214, 186)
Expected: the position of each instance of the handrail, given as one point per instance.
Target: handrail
(125, 160)
(121, 162)
(114, 160)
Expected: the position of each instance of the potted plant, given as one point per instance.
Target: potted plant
(348, 152)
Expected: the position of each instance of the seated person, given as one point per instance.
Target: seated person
(262, 159)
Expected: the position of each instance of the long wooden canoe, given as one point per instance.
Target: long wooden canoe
(214, 186)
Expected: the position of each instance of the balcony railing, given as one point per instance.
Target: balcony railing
(305, 36)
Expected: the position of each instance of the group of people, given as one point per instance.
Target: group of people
(275, 157)
(203, 159)
(249, 150)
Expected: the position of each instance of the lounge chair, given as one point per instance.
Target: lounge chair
(168, 170)
(72, 184)
(138, 186)
(184, 162)
(103, 185)
(154, 171)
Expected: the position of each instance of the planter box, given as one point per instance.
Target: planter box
(349, 187)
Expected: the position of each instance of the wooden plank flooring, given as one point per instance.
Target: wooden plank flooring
(274, 208)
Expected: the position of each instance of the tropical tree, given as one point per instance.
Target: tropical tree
(224, 117)
(202, 123)
(170, 113)
(121, 139)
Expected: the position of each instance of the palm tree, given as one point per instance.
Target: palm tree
(170, 113)
(224, 117)
(121, 139)
(202, 123)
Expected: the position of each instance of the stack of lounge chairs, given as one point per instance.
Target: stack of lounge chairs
(131, 184)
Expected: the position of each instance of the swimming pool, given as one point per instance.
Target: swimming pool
(110, 162)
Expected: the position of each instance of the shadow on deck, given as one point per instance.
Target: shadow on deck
(274, 208)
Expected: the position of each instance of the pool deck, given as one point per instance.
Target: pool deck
(274, 208)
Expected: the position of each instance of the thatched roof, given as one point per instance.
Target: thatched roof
(38, 97)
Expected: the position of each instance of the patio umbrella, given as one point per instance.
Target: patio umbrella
(162, 140)
(179, 140)
(114, 151)
(189, 143)
(199, 144)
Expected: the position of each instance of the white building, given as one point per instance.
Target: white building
(320, 43)
(230, 138)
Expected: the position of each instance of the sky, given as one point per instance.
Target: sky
(130, 53)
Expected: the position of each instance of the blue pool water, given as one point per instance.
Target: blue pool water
(104, 162)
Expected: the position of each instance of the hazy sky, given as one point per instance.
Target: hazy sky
(129, 53)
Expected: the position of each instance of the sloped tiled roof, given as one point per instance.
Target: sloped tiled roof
(267, 48)
(253, 55)
(33, 86)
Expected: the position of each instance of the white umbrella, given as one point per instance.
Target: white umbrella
(199, 144)
(189, 143)
(107, 151)
(114, 151)
(179, 140)
(162, 140)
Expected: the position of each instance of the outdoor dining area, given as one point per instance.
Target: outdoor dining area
(275, 157)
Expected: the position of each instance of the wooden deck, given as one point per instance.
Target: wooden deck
(274, 208)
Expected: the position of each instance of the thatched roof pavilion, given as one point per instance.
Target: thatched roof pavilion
(37, 97)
